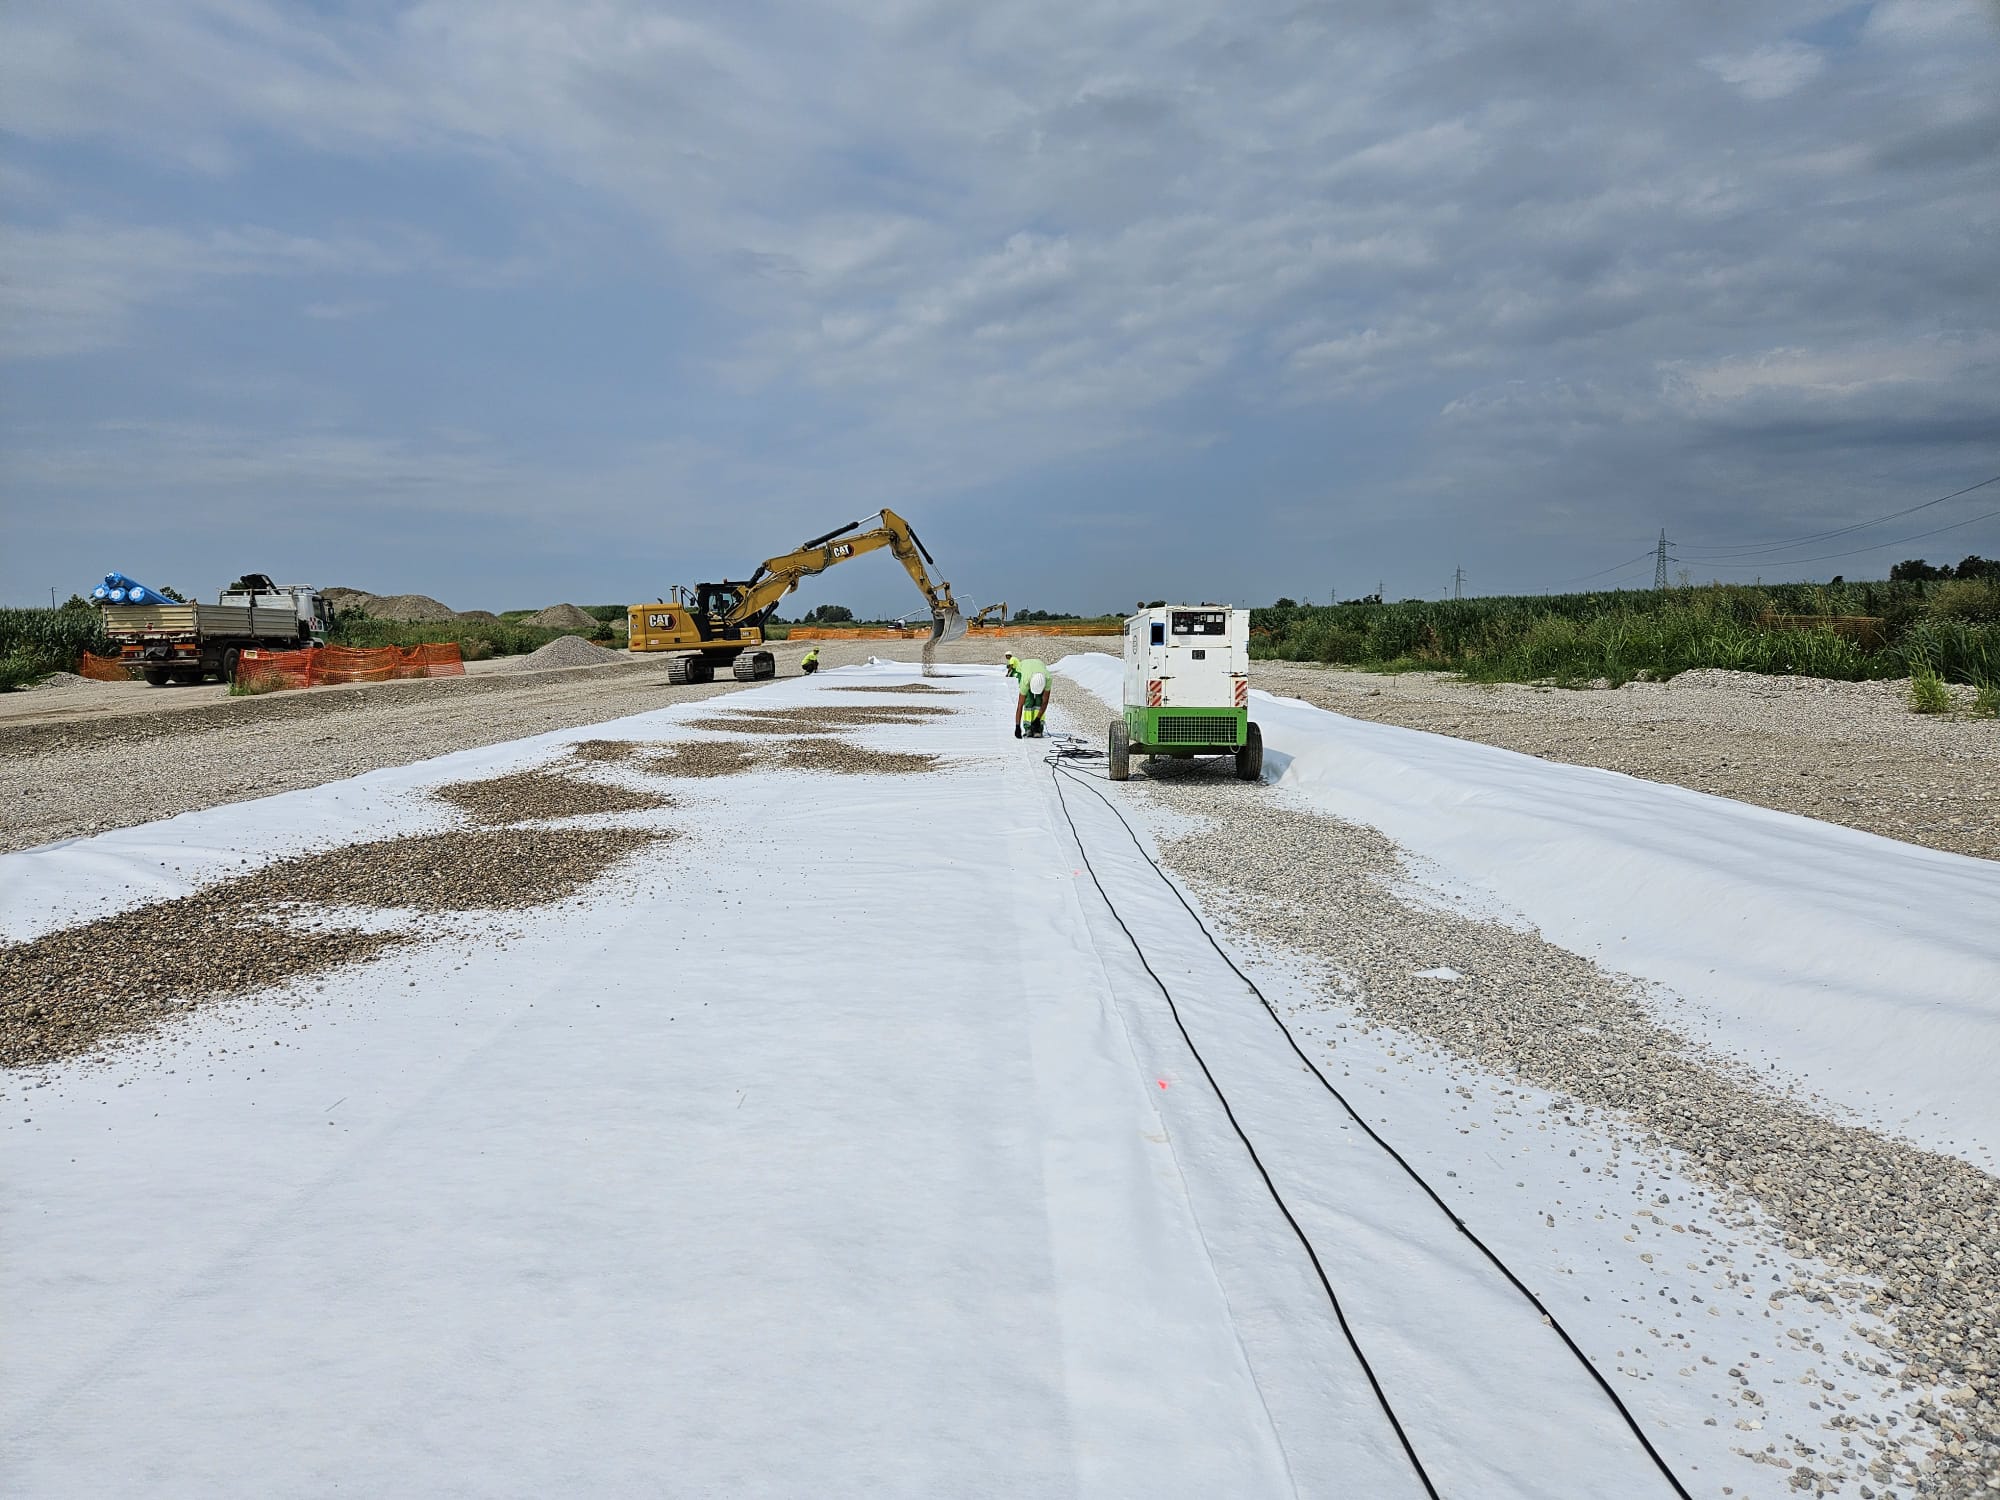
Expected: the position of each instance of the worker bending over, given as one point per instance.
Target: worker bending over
(811, 663)
(1031, 696)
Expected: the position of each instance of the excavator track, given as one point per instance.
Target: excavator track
(755, 666)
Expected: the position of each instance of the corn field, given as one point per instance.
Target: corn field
(1850, 631)
(36, 642)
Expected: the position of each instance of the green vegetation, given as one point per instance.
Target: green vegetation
(1928, 694)
(36, 642)
(477, 639)
(1949, 629)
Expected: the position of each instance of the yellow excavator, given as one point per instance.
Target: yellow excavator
(722, 624)
(979, 619)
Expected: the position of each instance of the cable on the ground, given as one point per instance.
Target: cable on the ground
(1339, 1313)
(1625, 1412)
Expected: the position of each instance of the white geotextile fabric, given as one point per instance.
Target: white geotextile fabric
(837, 1148)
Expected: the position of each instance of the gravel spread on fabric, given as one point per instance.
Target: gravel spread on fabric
(1846, 752)
(848, 713)
(701, 758)
(485, 869)
(69, 992)
(747, 724)
(542, 794)
(894, 687)
(604, 750)
(843, 758)
(1918, 1232)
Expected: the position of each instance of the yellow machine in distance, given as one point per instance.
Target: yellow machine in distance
(722, 624)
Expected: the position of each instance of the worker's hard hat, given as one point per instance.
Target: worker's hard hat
(1038, 684)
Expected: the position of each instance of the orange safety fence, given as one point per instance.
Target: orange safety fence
(103, 669)
(321, 665)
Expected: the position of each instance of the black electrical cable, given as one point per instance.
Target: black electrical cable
(1786, 562)
(1417, 1177)
(1816, 537)
(1339, 1313)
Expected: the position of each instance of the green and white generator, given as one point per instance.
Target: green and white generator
(1187, 689)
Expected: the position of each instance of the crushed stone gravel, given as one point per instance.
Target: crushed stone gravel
(895, 687)
(604, 750)
(701, 758)
(69, 992)
(542, 794)
(475, 869)
(842, 758)
(72, 991)
(564, 651)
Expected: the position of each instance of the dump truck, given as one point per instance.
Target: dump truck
(1187, 689)
(716, 625)
(175, 643)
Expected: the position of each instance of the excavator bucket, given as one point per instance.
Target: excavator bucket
(946, 625)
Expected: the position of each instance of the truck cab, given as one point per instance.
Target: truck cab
(314, 616)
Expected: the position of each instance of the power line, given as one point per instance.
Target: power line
(1786, 562)
(1645, 556)
(1827, 536)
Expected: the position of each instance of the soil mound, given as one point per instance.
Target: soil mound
(417, 608)
(562, 617)
(564, 651)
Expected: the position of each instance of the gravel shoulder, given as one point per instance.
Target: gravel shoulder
(1846, 752)
(88, 757)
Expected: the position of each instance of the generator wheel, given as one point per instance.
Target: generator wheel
(1250, 758)
(1121, 751)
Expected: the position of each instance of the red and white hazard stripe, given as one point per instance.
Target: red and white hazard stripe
(1242, 692)
(1153, 693)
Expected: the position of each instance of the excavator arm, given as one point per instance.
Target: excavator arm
(778, 576)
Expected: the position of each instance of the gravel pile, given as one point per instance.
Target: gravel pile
(71, 991)
(702, 758)
(839, 757)
(541, 794)
(487, 869)
(757, 724)
(1846, 752)
(60, 680)
(562, 617)
(412, 608)
(564, 651)
(1919, 1231)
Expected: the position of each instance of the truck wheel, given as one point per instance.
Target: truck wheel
(229, 661)
(1250, 758)
(1121, 751)
(156, 677)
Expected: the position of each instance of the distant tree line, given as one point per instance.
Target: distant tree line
(1916, 570)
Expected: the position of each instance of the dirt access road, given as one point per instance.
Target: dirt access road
(81, 759)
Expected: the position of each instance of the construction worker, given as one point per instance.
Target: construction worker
(1031, 696)
(811, 663)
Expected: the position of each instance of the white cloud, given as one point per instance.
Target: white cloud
(1769, 72)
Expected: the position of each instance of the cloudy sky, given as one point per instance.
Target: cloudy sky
(511, 301)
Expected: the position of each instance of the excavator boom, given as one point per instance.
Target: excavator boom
(778, 576)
